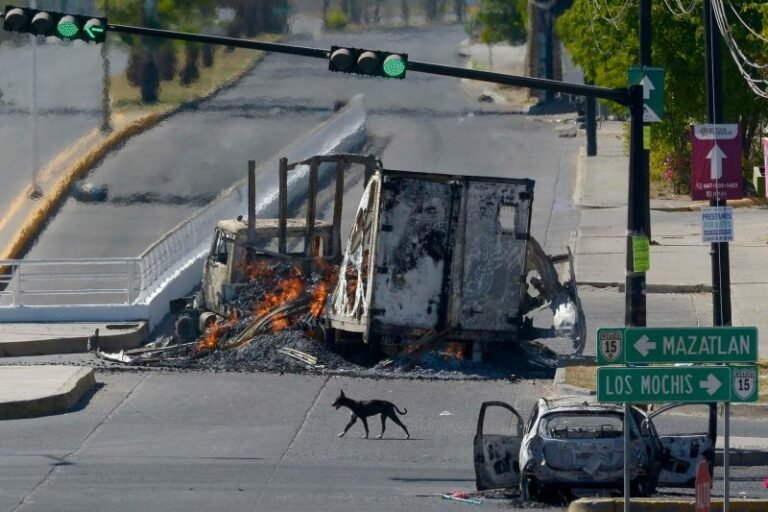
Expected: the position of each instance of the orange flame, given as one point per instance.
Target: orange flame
(288, 289)
(322, 288)
(454, 350)
(212, 337)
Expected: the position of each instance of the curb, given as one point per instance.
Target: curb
(747, 202)
(653, 288)
(663, 505)
(130, 336)
(70, 393)
(35, 222)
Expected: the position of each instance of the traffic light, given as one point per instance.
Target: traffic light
(56, 24)
(368, 62)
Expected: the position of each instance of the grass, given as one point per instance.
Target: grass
(226, 67)
(585, 377)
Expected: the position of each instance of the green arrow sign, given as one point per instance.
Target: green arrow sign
(652, 80)
(677, 345)
(685, 384)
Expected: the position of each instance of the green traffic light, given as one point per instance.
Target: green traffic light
(394, 66)
(94, 30)
(67, 27)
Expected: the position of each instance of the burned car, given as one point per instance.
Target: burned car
(570, 443)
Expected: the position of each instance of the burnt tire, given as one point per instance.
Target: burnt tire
(186, 329)
(641, 487)
(530, 489)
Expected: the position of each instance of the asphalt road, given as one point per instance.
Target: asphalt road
(68, 87)
(423, 123)
(202, 441)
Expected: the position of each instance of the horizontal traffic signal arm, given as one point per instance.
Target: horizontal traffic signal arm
(621, 96)
(47, 23)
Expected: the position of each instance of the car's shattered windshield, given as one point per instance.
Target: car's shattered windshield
(581, 426)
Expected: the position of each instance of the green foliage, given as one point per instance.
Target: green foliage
(606, 43)
(502, 21)
(336, 20)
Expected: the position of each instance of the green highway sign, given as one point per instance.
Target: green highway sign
(637, 345)
(684, 384)
(652, 80)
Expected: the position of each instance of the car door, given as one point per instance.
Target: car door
(685, 440)
(496, 452)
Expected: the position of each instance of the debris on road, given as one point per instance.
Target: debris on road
(463, 497)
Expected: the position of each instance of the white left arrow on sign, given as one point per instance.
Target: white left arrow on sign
(644, 345)
(716, 157)
(712, 384)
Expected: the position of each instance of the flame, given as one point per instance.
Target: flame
(210, 339)
(322, 288)
(214, 334)
(454, 350)
(287, 289)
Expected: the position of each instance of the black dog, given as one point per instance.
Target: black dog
(363, 409)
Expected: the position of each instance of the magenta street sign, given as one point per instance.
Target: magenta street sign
(716, 172)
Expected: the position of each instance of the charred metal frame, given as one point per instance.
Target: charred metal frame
(342, 161)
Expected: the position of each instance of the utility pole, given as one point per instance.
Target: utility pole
(106, 107)
(637, 227)
(721, 266)
(645, 60)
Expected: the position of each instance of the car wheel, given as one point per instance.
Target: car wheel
(530, 489)
(642, 487)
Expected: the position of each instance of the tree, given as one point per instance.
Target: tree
(151, 59)
(605, 44)
(499, 21)
(253, 17)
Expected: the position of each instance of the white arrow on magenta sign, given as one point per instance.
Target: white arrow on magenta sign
(716, 162)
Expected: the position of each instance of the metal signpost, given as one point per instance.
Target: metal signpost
(675, 380)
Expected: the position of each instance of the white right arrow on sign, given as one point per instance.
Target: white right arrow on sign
(716, 157)
(644, 345)
(712, 384)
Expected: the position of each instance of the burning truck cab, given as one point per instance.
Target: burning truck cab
(429, 258)
(236, 259)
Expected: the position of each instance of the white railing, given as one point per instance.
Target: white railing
(169, 267)
(69, 281)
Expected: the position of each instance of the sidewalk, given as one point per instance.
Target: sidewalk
(30, 391)
(62, 338)
(679, 261)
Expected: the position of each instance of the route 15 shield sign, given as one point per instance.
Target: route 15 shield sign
(744, 382)
(609, 345)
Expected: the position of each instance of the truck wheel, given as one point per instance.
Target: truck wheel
(186, 328)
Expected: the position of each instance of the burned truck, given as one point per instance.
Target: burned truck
(428, 257)
(445, 256)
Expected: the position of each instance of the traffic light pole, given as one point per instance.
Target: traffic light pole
(637, 220)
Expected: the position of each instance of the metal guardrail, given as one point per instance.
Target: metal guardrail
(70, 281)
